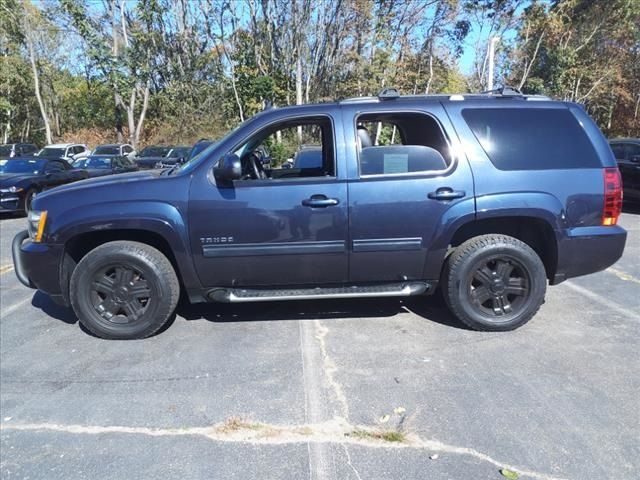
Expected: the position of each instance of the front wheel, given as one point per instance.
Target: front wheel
(124, 290)
(494, 282)
(28, 198)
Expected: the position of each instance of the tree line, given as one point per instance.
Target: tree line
(173, 71)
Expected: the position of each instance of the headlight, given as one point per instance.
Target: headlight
(12, 189)
(37, 221)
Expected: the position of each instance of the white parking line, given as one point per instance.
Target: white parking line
(6, 269)
(9, 310)
(604, 302)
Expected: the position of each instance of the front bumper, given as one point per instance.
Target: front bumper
(37, 265)
(11, 202)
(586, 250)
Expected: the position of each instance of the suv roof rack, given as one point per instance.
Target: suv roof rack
(501, 92)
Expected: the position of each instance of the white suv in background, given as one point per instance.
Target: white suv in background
(65, 151)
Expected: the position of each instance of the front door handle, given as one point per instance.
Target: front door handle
(446, 193)
(320, 201)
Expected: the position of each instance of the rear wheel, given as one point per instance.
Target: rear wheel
(124, 290)
(494, 282)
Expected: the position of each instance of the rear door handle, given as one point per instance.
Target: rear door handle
(320, 201)
(446, 193)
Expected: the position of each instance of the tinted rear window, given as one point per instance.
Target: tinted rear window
(532, 138)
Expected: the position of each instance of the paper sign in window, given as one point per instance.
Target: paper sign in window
(396, 163)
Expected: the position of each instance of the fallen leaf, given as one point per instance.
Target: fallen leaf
(510, 474)
(384, 419)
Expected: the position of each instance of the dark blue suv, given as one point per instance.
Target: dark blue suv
(487, 197)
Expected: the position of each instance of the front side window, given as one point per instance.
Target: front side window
(400, 143)
(531, 138)
(6, 150)
(153, 151)
(618, 151)
(294, 149)
(50, 152)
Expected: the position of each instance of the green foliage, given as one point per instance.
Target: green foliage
(208, 64)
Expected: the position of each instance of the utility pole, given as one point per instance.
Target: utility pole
(492, 51)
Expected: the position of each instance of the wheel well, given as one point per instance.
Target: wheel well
(535, 232)
(78, 246)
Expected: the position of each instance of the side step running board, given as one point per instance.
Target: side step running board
(240, 295)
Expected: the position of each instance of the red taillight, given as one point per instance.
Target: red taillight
(612, 196)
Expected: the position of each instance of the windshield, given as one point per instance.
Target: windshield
(5, 150)
(51, 152)
(96, 163)
(197, 149)
(154, 152)
(22, 166)
(107, 150)
(181, 152)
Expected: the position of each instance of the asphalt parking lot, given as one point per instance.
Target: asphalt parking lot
(327, 390)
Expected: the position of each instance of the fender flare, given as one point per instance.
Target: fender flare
(538, 205)
(160, 218)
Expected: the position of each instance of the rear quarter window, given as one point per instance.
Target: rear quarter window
(532, 138)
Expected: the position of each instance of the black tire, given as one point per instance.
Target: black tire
(124, 290)
(28, 198)
(494, 283)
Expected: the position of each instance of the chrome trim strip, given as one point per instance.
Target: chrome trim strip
(387, 244)
(281, 248)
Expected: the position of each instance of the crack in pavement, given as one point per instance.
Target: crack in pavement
(329, 367)
(336, 431)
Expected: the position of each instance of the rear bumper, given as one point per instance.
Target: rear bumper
(37, 265)
(587, 250)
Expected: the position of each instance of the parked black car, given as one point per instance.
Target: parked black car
(12, 150)
(161, 156)
(115, 150)
(99, 166)
(199, 146)
(22, 178)
(627, 153)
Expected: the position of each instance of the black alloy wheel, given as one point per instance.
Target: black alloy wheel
(120, 294)
(499, 286)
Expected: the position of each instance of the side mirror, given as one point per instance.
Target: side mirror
(228, 169)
